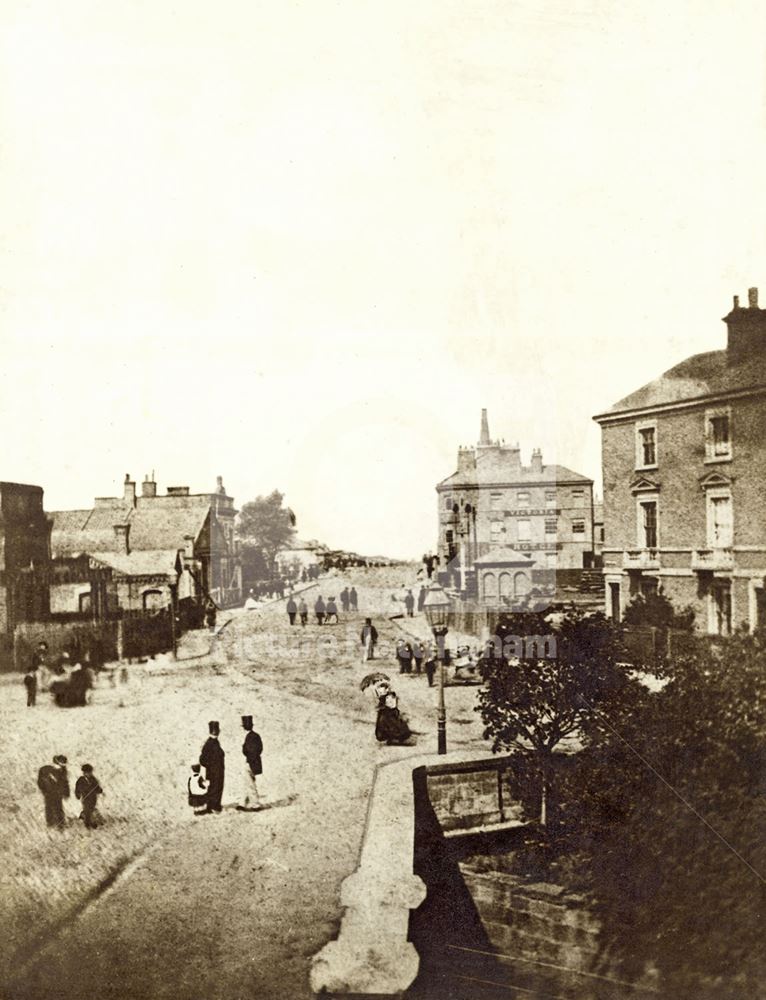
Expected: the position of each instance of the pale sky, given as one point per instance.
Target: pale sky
(301, 245)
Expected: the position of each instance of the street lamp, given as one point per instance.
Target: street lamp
(437, 607)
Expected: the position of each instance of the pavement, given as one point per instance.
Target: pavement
(233, 905)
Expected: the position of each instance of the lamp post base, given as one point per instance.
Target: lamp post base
(441, 736)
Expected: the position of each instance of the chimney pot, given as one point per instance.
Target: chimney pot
(752, 298)
(736, 301)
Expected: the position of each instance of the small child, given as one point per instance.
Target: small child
(197, 787)
(87, 790)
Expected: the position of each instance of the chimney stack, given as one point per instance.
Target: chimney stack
(149, 487)
(747, 330)
(484, 440)
(537, 461)
(130, 490)
(122, 538)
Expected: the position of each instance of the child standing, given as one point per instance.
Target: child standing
(197, 788)
(87, 790)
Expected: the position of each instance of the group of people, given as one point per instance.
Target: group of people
(326, 612)
(70, 684)
(53, 782)
(419, 655)
(205, 791)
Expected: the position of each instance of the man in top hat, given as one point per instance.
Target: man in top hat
(212, 759)
(53, 782)
(252, 748)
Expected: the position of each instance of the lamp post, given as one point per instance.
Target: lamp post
(437, 606)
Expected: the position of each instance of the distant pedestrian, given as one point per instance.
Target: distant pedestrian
(196, 787)
(303, 611)
(319, 609)
(292, 610)
(212, 758)
(87, 790)
(404, 656)
(53, 782)
(352, 598)
(252, 748)
(332, 611)
(369, 639)
(430, 665)
(211, 613)
(409, 603)
(418, 652)
(422, 598)
(30, 683)
(344, 599)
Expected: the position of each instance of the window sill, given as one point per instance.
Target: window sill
(646, 468)
(717, 459)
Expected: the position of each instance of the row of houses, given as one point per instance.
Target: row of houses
(684, 477)
(139, 552)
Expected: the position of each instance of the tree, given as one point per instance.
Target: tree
(265, 526)
(656, 610)
(667, 806)
(532, 703)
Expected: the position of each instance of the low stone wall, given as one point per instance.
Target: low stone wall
(542, 926)
(475, 794)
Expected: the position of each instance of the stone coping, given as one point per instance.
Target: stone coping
(371, 955)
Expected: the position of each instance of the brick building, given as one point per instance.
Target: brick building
(144, 546)
(684, 462)
(24, 559)
(494, 508)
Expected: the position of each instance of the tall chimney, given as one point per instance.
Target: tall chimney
(130, 490)
(149, 487)
(537, 461)
(747, 330)
(484, 436)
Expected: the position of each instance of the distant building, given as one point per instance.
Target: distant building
(598, 533)
(495, 505)
(24, 559)
(684, 461)
(141, 547)
(299, 555)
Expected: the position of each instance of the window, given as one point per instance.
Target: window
(720, 609)
(718, 435)
(550, 526)
(496, 501)
(447, 503)
(495, 528)
(550, 498)
(578, 527)
(85, 605)
(522, 498)
(578, 497)
(648, 524)
(523, 529)
(720, 522)
(646, 446)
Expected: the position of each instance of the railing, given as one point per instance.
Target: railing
(641, 559)
(710, 560)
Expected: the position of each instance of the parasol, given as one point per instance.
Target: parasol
(374, 678)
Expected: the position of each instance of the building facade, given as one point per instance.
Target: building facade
(684, 463)
(495, 506)
(146, 551)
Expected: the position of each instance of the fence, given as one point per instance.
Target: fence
(648, 645)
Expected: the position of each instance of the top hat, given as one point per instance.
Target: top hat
(214, 728)
(59, 759)
(247, 721)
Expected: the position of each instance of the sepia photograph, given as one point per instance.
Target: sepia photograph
(383, 499)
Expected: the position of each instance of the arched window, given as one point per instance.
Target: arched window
(521, 585)
(505, 585)
(152, 600)
(490, 586)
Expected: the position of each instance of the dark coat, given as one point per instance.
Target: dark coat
(292, 607)
(212, 759)
(391, 727)
(53, 782)
(369, 630)
(252, 748)
(87, 790)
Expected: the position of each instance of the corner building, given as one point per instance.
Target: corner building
(684, 464)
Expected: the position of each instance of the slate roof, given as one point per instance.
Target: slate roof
(160, 562)
(524, 475)
(700, 375)
(166, 520)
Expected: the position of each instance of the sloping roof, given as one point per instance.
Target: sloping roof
(167, 521)
(158, 562)
(72, 534)
(522, 476)
(700, 375)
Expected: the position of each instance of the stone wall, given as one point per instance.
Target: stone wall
(542, 926)
(474, 794)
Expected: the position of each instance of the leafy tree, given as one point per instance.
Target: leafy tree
(666, 806)
(656, 609)
(265, 525)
